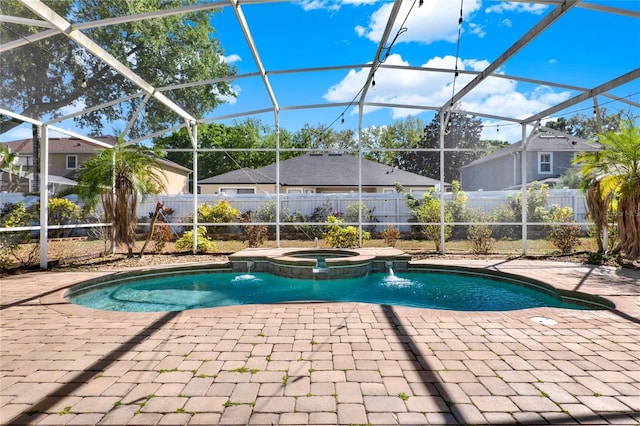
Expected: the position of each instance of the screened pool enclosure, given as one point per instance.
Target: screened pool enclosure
(410, 85)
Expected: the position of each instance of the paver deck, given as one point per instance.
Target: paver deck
(322, 363)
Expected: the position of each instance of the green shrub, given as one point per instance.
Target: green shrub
(340, 236)
(564, 237)
(353, 213)
(460, 212)
(204, 243)
(480, 239)
(220, 212)
(61, 212)
(14, 216)
(428, 210)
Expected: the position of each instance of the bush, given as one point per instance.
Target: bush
(460, 212)
(353, 213)
(480, 239)
(204, 243)
(220, 212)
(255, 234)
(161, 232)
(13, 216)
(61, 212)
(564, 237)
(428, 210)
(340, 236)
(537, 196)
(391, 235)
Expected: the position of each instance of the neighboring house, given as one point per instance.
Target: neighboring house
(548, 157)
(67, 154)
(316, 173)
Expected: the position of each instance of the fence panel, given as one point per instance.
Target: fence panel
(386, 207)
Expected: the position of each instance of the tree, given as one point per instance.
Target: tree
(43, 76)
(587, 127)
(614, 171)
(115, 177)
(8, 161)
(382, 141)
(463, 132)
(427, 213)
(219, 144)
(323, 137)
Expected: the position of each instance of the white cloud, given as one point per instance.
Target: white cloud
(433, 21)
(332, 5)
(506, 23)
(494, 96)
(501, 7)
(308, 5)
(77, 105)
(553, 61)
(477, 30)
(228, 99)
(231, 58)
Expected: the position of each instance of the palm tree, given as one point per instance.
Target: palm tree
(614, 173)
(116, 177)
(8, 160)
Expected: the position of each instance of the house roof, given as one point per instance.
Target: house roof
(542, 142)
(323, 170)
(59, 145)
(74, 146)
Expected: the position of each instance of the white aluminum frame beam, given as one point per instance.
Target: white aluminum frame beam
(254, 51)
(65, 27)
(537, 29)
(611, 84)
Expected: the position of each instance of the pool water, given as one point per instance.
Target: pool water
(413, 289)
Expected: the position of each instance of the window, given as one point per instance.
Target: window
(238, 191)
(72, 162)
(545, 163)
(294, 191)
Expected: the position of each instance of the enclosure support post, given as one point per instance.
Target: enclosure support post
(523, 173)
(442, 132)
(44, 196)
(360, 113)
(277, 120)
(192, 129)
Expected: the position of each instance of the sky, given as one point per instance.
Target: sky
(584, 48)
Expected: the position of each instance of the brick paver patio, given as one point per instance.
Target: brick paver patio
(322, 363)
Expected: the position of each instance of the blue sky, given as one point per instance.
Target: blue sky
(584, 48)
(580, 49)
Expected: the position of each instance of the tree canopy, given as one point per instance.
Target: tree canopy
(587, 127)
(462, 136)
(42, 76)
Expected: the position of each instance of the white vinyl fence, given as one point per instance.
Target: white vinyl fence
(387, 208)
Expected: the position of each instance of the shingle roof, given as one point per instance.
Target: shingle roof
(59, 145)
(324, 170)
(542, 142)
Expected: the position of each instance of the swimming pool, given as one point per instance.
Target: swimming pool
(172, 291)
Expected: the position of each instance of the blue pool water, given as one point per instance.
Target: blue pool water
(414, 289)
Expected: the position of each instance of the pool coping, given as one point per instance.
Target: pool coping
(620, 302)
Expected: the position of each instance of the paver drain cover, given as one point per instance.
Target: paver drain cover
(544, 321)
